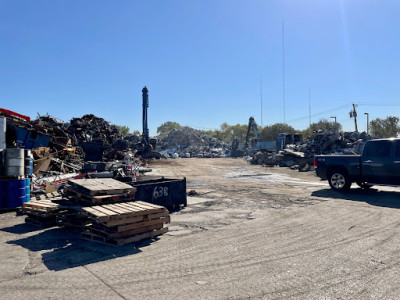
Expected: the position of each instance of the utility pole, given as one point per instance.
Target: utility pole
(309, 106)
(335, 124)
(367, 122)
(261, 101)
(353, 114)
(283, 70)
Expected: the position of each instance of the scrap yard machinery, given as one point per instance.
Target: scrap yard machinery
(146, 146)
(256, 143)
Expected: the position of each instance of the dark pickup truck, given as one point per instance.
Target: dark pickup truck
(379, 163)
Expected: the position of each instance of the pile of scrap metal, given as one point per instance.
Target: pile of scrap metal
(188, 142)
(300, 156)
(330, 142)
(64, 150)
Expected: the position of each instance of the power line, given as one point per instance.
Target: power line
(320, 113)
(379, 103)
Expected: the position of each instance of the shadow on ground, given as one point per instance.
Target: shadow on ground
(65, 249)
(371, 196)
(21, 228)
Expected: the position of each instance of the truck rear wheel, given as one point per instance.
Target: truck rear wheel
(339, 180)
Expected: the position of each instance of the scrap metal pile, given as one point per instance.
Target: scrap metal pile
(189, 142)
(300, 156)
(62, 149)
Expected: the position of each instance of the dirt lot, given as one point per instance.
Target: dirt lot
(250, 233)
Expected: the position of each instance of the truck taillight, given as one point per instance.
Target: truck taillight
(315, 163)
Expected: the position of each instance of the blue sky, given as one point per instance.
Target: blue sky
(202, 61)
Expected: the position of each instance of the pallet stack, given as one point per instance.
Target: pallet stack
(53, 209)
(125, 223)
(72, 219)
(41, 213)
(100, 191)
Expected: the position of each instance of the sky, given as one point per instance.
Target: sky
(205, 62)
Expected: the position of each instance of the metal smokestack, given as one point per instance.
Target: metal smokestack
(145, 97)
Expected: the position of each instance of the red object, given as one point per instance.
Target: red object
(13, 113)
(315, 163)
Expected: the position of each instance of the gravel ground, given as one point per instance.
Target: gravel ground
(252, 232)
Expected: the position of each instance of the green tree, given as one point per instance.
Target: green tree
(269, 133)
(238, 131)
(385, 128)
(167, 127)
(322, 125)
(123, 130)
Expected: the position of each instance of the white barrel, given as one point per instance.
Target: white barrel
(27, 161)
(14, 163)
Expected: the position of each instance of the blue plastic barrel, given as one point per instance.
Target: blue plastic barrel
(15, 192)
(2, 204)
(27, 190)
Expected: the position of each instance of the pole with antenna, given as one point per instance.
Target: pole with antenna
(353, 114)
(283, 70)
(309, 106)
(261, 101)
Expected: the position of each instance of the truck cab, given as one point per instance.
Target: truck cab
(379, 163)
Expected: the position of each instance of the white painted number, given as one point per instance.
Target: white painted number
(160, 192)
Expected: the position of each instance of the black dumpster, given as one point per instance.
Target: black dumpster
(163, 191)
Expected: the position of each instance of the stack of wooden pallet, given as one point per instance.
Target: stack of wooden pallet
(125, 223)
(41, 213)
(100, 191)
(72, 219)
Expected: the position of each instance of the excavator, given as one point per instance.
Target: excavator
(256, 143)
(145, 147)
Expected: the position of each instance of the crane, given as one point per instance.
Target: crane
(252, 125)
(146, 145)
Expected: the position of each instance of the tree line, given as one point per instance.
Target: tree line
(379, 128)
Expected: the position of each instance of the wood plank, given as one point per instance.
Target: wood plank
(117, 209)
(127, 232)
(109, 213)
(141, 224)
(122, 241)
(158, 215)
(101, 186)
(39, 205)
(151, 204)
(132, 207)
(144, 205)
(140, 205)
(140, 237)
(94, 212)
(150, 211)
(44, 201)
(124, 221)
(124, 207)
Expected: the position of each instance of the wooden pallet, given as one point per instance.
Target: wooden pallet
(72, 220)
(124, 223)
(102, 199)
(87, 235)
(141, 228)
(123, 213)
(41, 222)
(49, 196)
(100, 186)
(41, 210)
(41, 205)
